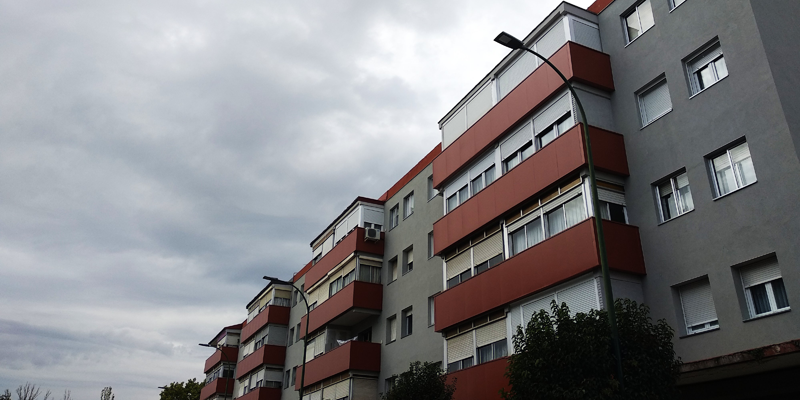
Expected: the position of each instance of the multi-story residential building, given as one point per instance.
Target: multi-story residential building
(694, 142)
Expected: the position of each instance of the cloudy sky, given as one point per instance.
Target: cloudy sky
(158, 157)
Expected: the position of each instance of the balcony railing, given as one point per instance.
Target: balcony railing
(350, 244)
(266, 355)
(353, 355)
(230, 354)
(272, 315)
(347, 307)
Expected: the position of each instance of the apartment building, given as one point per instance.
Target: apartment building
(695, 146)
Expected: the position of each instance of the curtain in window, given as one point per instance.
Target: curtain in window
(535, 232)
(555, 221)
(780, 294)
(760, 299)
(575, 211)
(518, 241)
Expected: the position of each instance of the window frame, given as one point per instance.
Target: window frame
(736, 174)
(408, 205)
(407, 323)
(392, 270)
(408, 266)
(706, 325)
(394, 216)
(431, 310)
(678, 200)
(635, 10)
(430, 245)
(694, 77)
(484, 180)
(457, 195)
(432, 192)
(673, 5)
(648, 89)
(518, 156)
(556, 128)
(391, 329)
(770, 293)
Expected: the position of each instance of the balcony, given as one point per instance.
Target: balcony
(482, 381)
(226, 354)
(570, 253)
(265, 355)
(576, 62)
(349, 306)
(563, 156)
(262, 393)
(350, 244)
(217, 386)
(271, 315)
(361, 356)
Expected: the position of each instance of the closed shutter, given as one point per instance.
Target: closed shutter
(515, 316)
(364, 389)
(310, 349)
(655, 102)
(350, 266)
(329, 393)
(456, 185)
(517, 140)
(354, 219)
(698, 304)
(313, 296)
(563, 198)
(343, 389)
(523, 221)
(763, 271)
(453, 128)
(488, 248)
(599, 286)
(705, 58)
(458, 264)
(315, 396)
(552, 113)
(460, 347)
(480, 104)
(516, 73)
(552, 40)
(490, 333)
(341, 230)
(320, 344)
(611, 196)
(740, 153)
(586, 35)
(580, 298)
(274, 375)
(481, 166)
(258, 377)
(373, 216)
(277, 335)
(534, 307)
(317, 251)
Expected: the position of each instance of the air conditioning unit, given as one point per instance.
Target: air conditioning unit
(372, 234)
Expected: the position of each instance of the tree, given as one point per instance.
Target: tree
(564, 357)
(30, 391)
(6, 395)
(106, 394)
(189, 390)
(422, 381)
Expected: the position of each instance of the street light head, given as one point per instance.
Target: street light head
(509, 41)
(207, 345)
(274, 280)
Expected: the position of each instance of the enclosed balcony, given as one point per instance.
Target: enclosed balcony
(265, 355)
(353, 355)
(563, 156)
(353, 242)
(223, 354)
(262, 393)
(217, 386)
(271, 315)
(566, 255)
(351, 305)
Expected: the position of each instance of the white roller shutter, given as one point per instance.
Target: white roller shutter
(480, 104)
(341, 231)
(343, 389)
(458, 264)
(490, 333)
(454, 127)
(612, 196)
(309, 349)
(563, 198)
(274, 375)
(534, 307)
(277, 335)
(655, 102)
(703, 60)
(350, 266)
(523, 221)
(488, 248)
(586, 35)
(455, 185)
(515, 318)
(552, 40)
(515, 141)
(373, 216)
(319, 344)
(516, 73)
(763, 271)
(482, 165)
(460, 347)
(580, 298)
(316, 395)
(354, 219)
(552, 113)
(698, 304)
(329, 393)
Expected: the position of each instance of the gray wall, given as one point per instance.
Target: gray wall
(718, 234)
(294, 353)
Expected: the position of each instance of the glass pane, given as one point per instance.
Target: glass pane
(760, 300)
(463, 194)
(466, 363)
(575, 211)
(489, 175)
(452, 202)
(546, 137)
(668, 207)
(780, 293)
(722, 68)
(453, 366)
(725, 180)
(500, 348)
(745, 172)
(564, 124)
(705, 77)
(617, 213)
(518, 241)
(452, 282)
(534, 232)
(526, 150)
(646, 15)
(495, 260)
(604, 214)
(481, 267)
(511, 162)
(634, 29)
(465, 275)
(485, 354)
(555, 221)
(685, 202)
(477, 185)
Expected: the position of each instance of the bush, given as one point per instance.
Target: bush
(422, 381)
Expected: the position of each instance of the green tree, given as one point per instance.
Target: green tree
(189, 390)
(106, 394)
(559, 356)
(422, 381)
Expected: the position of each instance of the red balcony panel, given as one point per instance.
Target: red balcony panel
(350, 244)
(362, 296)
(576, 62)
(266, 355)
(480, 382)
(262, 393)
(362, 356)
(271, 315)
(541, 170)
(562, 257)
(230, 355)
(219, 385)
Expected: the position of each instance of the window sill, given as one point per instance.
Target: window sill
(404, 218)
(637, 38)
(698, 333)
(675, 217)
(656, 119)
(390, 342)
(707, 87)
(734, 191)
(769, 314)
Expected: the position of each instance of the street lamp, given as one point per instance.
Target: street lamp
(274, 281)
(515, 44)
(222, 367)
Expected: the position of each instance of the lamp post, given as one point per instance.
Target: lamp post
(305, 337)
(224, 359)
(515, 44)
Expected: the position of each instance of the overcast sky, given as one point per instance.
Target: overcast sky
(158, 157)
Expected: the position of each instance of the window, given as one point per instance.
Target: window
(294, 374)
(674, 197)
(291, 336)
(518, 156)
(334, 286)
(457, 198)
(638, 21)
(431, 191)
(763, 287)
(565, 216)
(699, 312)
(654, 101)
(675, 3)
(459, 278)
(393, 270)
(297, 333)
(733, 169)
(295, 295)
(407, 323)
(408, 205)
(431, 311)
(492, 351)
(706, 69)
(287, 379)
(408, 260)
(613, 212)
(527, 236)
(391, 329)
(488, 264)
(482, 180)
(430, 244)
(394, 216)
(558, 128)
(369, 273)
(460, 364)
(390, 383)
